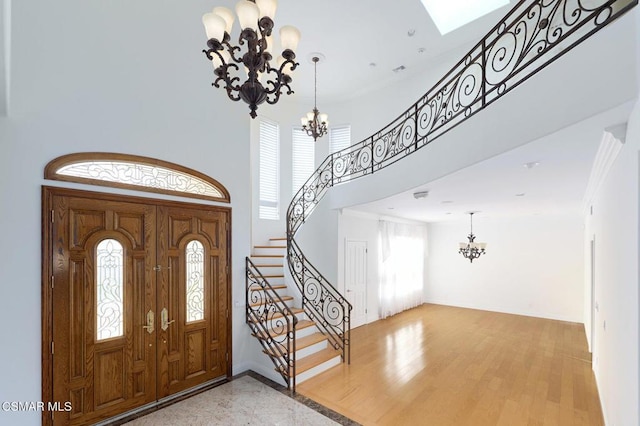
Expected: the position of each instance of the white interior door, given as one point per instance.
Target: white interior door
(355, 282)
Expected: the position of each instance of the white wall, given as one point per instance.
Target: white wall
(505, 125)
(533, 266)
(554, 100)
(111, 84)
(614, 224)
(5, 43)
(355, 225)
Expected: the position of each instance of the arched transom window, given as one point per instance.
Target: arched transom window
(135, 172)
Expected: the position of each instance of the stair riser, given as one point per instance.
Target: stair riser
(306, 332)
(289, 303)
(274, 280)
(269, 269)
(309, 350)
(279, 242)
(278, 261)
(321, 368)
(301, 353)
(269, 251)
(301, 316)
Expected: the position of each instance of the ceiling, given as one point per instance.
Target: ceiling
(548, 176)
(366, 32)
(353, 34)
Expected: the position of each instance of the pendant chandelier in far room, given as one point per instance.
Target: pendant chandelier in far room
(264, 83)
(472, 250)
(314, 123)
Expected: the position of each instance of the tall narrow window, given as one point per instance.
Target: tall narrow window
(340, 138)
(109, 289)
(195, 281)
(269, 170)
(303, 158)
(401, 266)
(339, 143)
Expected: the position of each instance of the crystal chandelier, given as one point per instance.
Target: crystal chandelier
(314, 123)
(472, 250)
(256, 24)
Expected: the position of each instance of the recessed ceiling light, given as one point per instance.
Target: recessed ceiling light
(520, 194)
(373, 64)
(531, 165)
(420, 194)
(391, 208)
(447, 202)
(448, 213)
(449, 15)
(411, 32)
(421, 50)
(398, 69)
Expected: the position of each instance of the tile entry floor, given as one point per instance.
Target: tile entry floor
(242, 401)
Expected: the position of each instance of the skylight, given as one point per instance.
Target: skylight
(449, 15)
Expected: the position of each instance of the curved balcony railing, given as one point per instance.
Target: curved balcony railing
(530, 37)
(272, 322)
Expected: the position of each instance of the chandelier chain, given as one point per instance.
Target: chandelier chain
(314, 123)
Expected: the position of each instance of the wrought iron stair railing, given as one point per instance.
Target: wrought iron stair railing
(530, 37)
(272, 322)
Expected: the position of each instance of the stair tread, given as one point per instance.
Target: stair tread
(278, 314)
(301, 343)
(278, 239)
(273, 276)
(273, 286)
(284, 298)
(315, 359)
(309, 340)
(270, 247)
(304, 324)
(267, 255)
(300, 325)
(273, 265)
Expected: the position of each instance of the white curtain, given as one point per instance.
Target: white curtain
(401, 266)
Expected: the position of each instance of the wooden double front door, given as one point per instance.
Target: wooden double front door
(138, 303)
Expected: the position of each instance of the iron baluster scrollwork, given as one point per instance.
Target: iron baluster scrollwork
(272, 322)
(321, 301)
(530, 37)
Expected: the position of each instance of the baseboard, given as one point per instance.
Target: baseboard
(603, 408)
(505, 310)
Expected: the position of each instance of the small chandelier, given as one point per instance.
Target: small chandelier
(314, 123)
(256, 25)
(472, 250)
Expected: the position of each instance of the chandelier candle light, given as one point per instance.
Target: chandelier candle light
(314, 123)
(472, 250)
(256, 24)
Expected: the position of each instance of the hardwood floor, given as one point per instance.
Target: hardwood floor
(440, 365)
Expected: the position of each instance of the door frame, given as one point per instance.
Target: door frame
(47, 349)
(366, 273)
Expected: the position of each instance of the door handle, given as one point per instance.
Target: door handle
(164, 317)
(150, 320)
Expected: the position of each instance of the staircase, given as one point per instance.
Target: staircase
(286, 321)
(293, 342)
